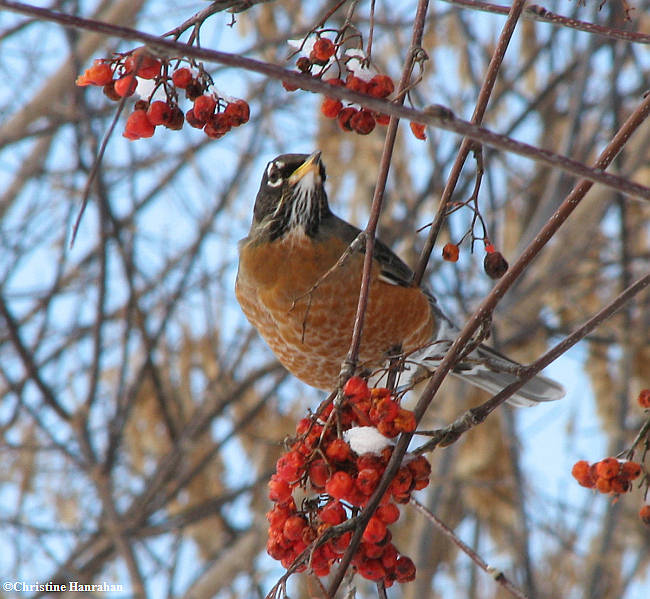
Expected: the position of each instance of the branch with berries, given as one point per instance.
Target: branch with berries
(615, 475)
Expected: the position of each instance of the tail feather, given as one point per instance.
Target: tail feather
(537, 390)
(492, 371)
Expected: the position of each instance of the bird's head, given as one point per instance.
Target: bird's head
(291, 196)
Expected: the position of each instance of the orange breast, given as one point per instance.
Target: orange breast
(307, 318)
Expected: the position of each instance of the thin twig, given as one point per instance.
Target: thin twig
(496, 574)
(535, 12)
(466, 146)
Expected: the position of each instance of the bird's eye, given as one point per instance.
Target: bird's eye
(274, 179)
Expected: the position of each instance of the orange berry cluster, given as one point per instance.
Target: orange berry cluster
(644, 398)
(609, 476)
(120, 77)
(350, 118)
(337, 482)
(359, 120)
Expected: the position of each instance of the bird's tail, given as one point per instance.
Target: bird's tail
(492, 371)
(489, 370)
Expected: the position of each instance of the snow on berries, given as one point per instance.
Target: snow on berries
(336, 476)
(141, 73)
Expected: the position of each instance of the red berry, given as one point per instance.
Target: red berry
(279, 490)
(331, 107)
(418, 130)
(380, 86)
(335, 81)
(217, 126)
(303, 426)
(238, 112)
(420, 468)
(110, 93)
(402, 482)
(193, 90)
(322, 51)
(375, 532)
(450, 252)
(192, 120)
(147, 65)
(405, 421)
(495, 265)
(390, 555)
(339, 484)
(125, 86)
(138, 125)
(620, 485)
(290, 87)
(204, 107)
(290, 466)
(382, 119)
(318, 473)
(356, 84)
(608, 468)
(304, 64)
(338, 451)
(182, 77)
(356, 388)
(372, 569)
(176, 120)
(644, 398)
(404, 569)
(341, 543)
(367, 480)
(293, 527)
(388, 513)
(582, 472)
(159, 112)
(630, 470)
(278, 515)
(345, 116)
(604, 485)
(333, 513)
(362, 122)
(99, 74)
(384, 410)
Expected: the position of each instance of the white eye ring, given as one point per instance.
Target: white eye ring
(273, 178)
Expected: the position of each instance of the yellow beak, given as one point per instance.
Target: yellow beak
(311, 165)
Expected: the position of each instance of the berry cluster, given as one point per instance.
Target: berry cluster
(336, 476)
(644, 398)
(359, 120)
(609, 476)
(494, 264)
(140, 72)
(355, 73)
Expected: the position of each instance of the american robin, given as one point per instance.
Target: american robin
(303, 303)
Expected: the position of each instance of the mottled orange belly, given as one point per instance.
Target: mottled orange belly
(307, 318)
